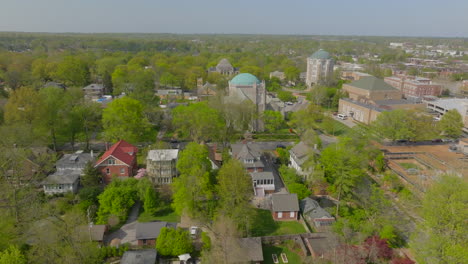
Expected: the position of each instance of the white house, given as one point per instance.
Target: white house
(263, 182)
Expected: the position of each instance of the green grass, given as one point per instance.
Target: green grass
(408, 165)
(264, 225)
(164, 214)
(284, 247)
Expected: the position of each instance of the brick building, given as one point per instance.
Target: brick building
(118, 161)
(414, 86)
(285, 207)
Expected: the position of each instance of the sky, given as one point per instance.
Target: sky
(437, 18)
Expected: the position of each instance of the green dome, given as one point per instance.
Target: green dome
(245, 79)
(321, 55)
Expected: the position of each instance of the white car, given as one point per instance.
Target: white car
(342, 116)
(193, 231)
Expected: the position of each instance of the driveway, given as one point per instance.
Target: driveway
(349, 122)
(127, 233)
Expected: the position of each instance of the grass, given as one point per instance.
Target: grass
(408, 165)
(264, 225)
(284, 247)
(164, 214)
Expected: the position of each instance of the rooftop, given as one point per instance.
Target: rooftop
(122, 151)
(253, 249)
(163, 154)
(94, 86)
(312, 209)
(245, 79)
(62, 177)
(265, 175)
(146, 256)
(74, 160)
(285, 202)
(151, 230)
(461, 104)
(372, 83)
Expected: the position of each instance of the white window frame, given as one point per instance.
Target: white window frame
(292, 214)
(280, 214)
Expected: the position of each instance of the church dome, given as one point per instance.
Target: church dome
(245, 79)
(321, 55)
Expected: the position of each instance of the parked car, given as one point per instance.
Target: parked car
(438, 140)
(281, 146)
(342, 116)
(193, 231)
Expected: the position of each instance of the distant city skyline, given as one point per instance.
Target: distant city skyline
(427, 18)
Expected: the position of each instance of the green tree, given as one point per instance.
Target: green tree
(12, 255)
(300, 189)
(72, 71)
(174, 242)
(273, 120)
(23, 106)
(306, 119)
(441, 237)
(150, 204)
(91, 176)
(235, 193)
(286, 96)
(124, 119)
(52, 111)
(116, 200)
(292, 73)
(451, 124)
(194, 188)
(404, 124)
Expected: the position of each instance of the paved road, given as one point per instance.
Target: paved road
(349, 121)
(127, 233)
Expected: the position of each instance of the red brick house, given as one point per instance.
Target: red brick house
(118, 161)
(285, 207)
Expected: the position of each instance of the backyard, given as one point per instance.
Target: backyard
(286, 247)
(264, 225)
(165, 213)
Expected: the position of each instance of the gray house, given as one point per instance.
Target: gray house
(69, 169)
(161, 165)
(313, 213)
(298, 155)
(263, 183)
(93, 91)
(249, 156)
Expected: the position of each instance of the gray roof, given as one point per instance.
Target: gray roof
(146, 256)
(163, 154)
(312, 209)
(395, 102)
(252, 247)
(247, 152)
(151, 230)
(62, 177)
(372, 83)
(96, 231)
(169, 92)
(265, 175)
(285, 202)
(75, 160)
(301, 152)
(94, 86)
(224, 65)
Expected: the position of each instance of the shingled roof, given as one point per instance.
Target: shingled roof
(285, 202)
(122, 151)
(372, 83)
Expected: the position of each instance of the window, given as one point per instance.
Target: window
(280, 214)
(292, 214)
(107, 171)
(111, 161)
(122, 171)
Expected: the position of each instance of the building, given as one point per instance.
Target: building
(169, 93)
(298, 155)
(145, 256)
(285, 207)
(252, 249)
(441, 106)
(319, 68)
(224, 67)
(370, 96)
(414, 86)
(93, 91)
(314, 213)
(147, 233)
(118, 161)
(69, 169)
(323, 245)
(248, 156)
(161, 165)
(354, 75)
(463, 146)
(263, 183)
(277, 74)
(61, 182)
(246, 86)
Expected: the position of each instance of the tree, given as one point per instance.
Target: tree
(174, 242)
(124, 119)
(441, 237)
(23, 106)
(235, 193)
(150, 204)
(116, 200)
(306, 119)
(273, 120)
(286, 96)
(300, 189)
(377, 248)
(404, 124)
(194, 189)
(451, 124)
(197, 121)
(91, 176)
(12, 255)
(52, 110)
(72, 71)
(292, 73)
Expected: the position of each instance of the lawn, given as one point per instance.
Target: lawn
(164, 214)
(284, 247)
(408, 165)
(264, 225)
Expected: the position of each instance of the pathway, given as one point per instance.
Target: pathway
(127, 233)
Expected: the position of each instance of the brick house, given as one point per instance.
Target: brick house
(118, 161)
(285, 207)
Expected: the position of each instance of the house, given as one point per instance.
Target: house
(118, 161)
(322, 245)
(285, 207)
(224, 67)
(161, 165)
(69, 169)
(147, 233)
(298, 155)
(252, 250)
(93, 91)
(95, 232)
(263, 183)
(248, 156)
(145, 256)
(61, 182)
(313, 213)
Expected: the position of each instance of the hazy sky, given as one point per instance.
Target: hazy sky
(326, 17)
